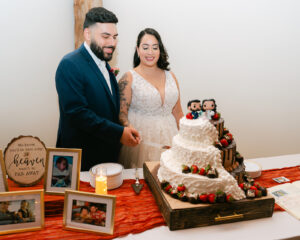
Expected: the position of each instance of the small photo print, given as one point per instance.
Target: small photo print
(279, 193)
(281, 179)
(89, 213)
(18, 211)
(62, 171)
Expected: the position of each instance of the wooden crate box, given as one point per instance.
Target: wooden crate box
(182, 215)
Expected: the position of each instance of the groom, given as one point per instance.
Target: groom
(89, 101)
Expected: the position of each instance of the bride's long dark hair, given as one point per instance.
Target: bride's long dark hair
(163, 58)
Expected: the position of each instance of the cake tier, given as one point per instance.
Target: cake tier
(228, 155)
(170, 171)
(187, 152)
(219, 124)
(198, 130)
(238, 173)
(233, 161)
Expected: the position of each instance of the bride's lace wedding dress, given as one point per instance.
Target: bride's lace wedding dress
(151, 114)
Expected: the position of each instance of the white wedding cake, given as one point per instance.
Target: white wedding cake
(194, 145)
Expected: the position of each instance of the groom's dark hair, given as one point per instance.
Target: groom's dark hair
(162, 62)
(99, 14)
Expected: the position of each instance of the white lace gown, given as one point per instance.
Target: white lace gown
(153, 119)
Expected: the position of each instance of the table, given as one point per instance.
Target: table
(281, 225)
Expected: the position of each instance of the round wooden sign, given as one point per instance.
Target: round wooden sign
(24, 159)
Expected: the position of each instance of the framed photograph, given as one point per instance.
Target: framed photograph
(62, 170)
(21, 211)
(89, 212)
(3, 179)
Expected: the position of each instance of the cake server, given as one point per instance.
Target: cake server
(137, 186)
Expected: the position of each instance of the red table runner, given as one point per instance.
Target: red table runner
(133, 214)
(266, 178)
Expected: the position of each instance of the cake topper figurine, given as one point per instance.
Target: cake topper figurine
(194, 106)
(209, 107)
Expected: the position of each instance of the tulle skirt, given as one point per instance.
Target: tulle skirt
(156, 131)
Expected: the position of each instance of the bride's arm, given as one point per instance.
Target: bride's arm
(125, 98)
(177, 110)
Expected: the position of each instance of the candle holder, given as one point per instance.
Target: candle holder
(101, 180)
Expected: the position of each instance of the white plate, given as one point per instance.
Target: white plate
(252, 168)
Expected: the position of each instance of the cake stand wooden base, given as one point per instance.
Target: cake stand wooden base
(182, 215)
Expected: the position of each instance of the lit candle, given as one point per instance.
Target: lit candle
(101, 181)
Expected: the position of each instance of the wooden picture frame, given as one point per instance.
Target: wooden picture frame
(89, 212)
(21, 211)
(3, 179)
(62, 170)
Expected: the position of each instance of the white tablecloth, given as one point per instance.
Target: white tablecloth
(281, 225)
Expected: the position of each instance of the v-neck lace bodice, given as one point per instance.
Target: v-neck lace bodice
(146, 99)
(162, 95)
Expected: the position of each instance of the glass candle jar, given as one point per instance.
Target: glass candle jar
(101, 181)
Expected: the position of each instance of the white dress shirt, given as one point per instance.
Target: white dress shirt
(101, 65)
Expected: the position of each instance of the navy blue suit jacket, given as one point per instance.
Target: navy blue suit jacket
(89, 113)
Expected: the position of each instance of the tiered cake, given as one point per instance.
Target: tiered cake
(203, 167)
(195, 147)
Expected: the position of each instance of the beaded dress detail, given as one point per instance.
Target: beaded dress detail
(152, 117)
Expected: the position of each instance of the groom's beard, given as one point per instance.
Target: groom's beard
(98, 51)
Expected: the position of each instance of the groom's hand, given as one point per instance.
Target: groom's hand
(130, 137)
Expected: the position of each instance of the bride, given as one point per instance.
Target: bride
(149, 101)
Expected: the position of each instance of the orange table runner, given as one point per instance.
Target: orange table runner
(266, 178)
(133, 214)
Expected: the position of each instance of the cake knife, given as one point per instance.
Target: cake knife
(156, 145)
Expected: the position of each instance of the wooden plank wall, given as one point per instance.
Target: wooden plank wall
(81, 7)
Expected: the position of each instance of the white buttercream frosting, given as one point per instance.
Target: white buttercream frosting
(194, 145)
(198, 130)
(189, 153)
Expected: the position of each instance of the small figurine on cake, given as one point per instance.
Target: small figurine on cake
(209, 108)
(194, 106)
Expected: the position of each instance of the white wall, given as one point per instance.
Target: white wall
(245, 54)
(35, 34)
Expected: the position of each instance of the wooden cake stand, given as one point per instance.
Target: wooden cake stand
(182, 215)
